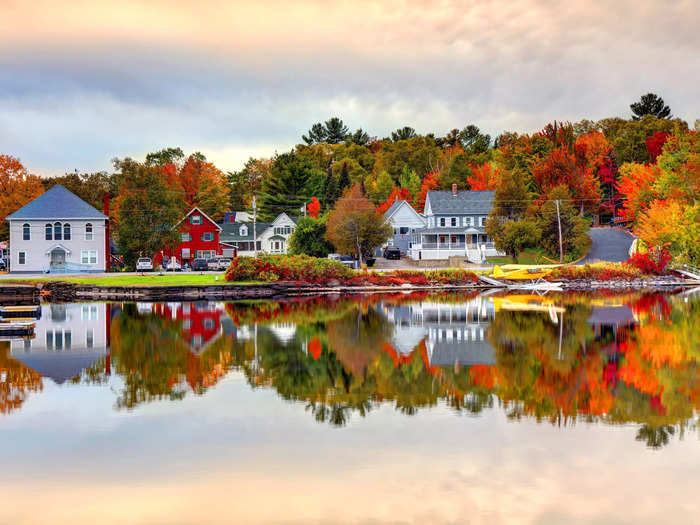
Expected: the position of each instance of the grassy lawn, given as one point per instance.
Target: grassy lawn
(148, 279)
(526, 257)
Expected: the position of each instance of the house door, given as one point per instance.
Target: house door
(58, 258)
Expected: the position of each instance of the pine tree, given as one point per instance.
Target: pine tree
(650, 104)
(330, 190)
(286, 189)
(343, 179)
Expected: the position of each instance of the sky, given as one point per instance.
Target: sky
(82, 82)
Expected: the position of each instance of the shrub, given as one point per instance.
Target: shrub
(598, 271)
(270, 268)
(651, 262)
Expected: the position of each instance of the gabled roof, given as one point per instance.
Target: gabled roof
(465, 202)
(397, 205)
(218, 226)
(231, 231)
(57, 203)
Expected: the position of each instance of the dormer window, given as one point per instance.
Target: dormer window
(195, 219)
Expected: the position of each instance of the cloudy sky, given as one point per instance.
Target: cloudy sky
(83, 81)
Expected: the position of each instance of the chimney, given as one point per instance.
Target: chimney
(454, 190)
(108, 254)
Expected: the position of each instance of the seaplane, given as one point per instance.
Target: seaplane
(532, 277)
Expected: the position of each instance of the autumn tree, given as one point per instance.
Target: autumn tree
(573, 226)
(313, 208)
(17, 188)
(91, 187)
(147, 210)
(410, 181)
(650, 104)
(385, 185)
(397, 195)
(484, 177)
(354, 226)
(430, 182)
(247, 182)
(512, 237)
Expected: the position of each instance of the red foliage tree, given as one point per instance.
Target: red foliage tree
(484, 177)
(655, 144)
(397, 194)
(313, 208)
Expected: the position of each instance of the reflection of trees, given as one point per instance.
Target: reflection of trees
(17, 382)
(655, 437)
(157, 363)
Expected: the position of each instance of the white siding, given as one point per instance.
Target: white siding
(37, 260)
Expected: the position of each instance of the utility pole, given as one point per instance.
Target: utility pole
(561, 249)
(255, 235)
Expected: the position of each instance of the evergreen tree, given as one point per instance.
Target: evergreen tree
(165, 156)
(286, 189)
(317, 134)
(650, 104)
(359, 137)
(309, 238)
(336, 131)
(343, 179)
(404, 133)
(330, 190)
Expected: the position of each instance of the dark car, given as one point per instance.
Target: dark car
(392, 252)
(3, 265)
(199, 265)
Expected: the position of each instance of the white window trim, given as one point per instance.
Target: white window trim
(90, 236)
(19, 258)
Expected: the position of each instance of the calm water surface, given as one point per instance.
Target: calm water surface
(375, 409)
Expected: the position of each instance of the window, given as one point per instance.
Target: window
(88, 257)
(187, 324)
(89, 313)
(57, 231)
(483, 220)
(49, 340)
(243, 231)
(48, 232)
(403, 230)
(67, 339)
(88, 232)
(208, 236)
(90, 338)
(66, 232)
(186, 237)
(195, 219)
(442, 221)
(258, 245)
(26, 232)
(208, 324)
(453, 222)
(22, 257)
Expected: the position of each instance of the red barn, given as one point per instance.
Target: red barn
(199, 238)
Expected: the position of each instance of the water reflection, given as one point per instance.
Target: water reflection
(616, 359)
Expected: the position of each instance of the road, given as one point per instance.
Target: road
(608, 244)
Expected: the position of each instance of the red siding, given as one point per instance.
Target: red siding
(196, 244)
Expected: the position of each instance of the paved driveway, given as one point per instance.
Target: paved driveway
(608, 244)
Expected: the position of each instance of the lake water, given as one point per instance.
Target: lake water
(458, 408)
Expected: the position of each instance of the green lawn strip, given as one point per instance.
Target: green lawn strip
(139, 280)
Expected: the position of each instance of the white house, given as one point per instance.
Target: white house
(405, 221)
(455, 226)
(271, 237)
(57, 232)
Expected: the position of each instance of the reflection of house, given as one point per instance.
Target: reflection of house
(455, 226)
(68, 339)
(453, 333)
(57, 231)
(200, 321)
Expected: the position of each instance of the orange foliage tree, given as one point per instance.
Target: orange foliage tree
(636, 187)
(430, 182)
(17, 188)
(560, 167)
(484, 177)
(204, 185)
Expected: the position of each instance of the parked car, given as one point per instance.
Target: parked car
(199, 265)
(392, 252)
(173, 266)
(218, 263)
(3, 264)
(144, 264)
(347, 260)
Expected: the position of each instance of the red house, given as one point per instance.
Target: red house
(199, 238)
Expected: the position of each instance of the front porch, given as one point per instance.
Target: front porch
(472, 244)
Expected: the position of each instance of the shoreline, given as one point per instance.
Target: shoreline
(61, 291)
